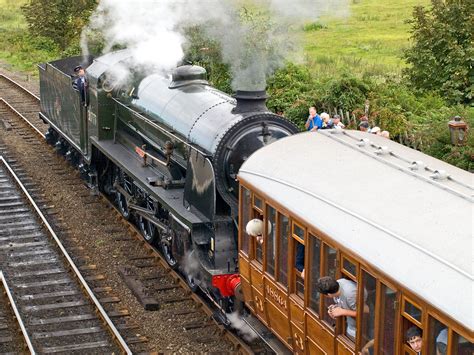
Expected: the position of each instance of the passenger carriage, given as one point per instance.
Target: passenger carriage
(392, 219)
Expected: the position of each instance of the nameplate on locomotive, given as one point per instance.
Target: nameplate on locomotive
(276, 296)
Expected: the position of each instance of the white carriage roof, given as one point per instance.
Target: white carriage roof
(366, 193)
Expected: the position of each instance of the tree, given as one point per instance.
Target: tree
(60, 20)
(442, 55)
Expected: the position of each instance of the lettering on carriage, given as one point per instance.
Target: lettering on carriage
(276, 296)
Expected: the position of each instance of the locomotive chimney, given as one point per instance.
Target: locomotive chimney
(250, 101)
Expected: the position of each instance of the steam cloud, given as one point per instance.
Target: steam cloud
(256, 36)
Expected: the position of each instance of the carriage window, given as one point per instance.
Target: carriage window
(330, 264)
(314, 272)
(270, 240)
(283, 233)
(299, 268)
(368, 299)
(298, 231)
(462, 346)
(413, 311)
(388, 317)
(349, 268)
(257, 202)
(437, 337)
(246, 208)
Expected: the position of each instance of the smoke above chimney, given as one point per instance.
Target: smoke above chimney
(256, 37)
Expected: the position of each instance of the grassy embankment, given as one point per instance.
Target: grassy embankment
(18, 49)
(370, 40)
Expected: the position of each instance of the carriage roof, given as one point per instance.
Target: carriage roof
(404, 212)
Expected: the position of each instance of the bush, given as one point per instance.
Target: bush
(346, 92)
(441, 57)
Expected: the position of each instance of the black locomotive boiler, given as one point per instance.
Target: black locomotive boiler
(169, 150)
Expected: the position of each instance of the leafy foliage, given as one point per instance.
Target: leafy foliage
(442, 55)
(59, 20)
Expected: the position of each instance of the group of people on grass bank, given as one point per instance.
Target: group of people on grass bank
(324, 121)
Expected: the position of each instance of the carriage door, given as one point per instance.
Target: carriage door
(297, 267)
(275, 276)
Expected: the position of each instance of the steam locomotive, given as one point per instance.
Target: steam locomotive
(168, 150)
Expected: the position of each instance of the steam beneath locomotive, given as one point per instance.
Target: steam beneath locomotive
(256, 36)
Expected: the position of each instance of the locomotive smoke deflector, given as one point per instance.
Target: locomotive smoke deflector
(250, 101)
(187, 75)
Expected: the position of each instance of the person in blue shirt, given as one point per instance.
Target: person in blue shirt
(314, 122)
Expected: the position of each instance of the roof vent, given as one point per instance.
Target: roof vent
(439, 175)
(417, 165)
(363, 142)
(382, 151)
(187, 75)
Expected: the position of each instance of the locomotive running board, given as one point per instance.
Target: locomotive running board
(266, 336)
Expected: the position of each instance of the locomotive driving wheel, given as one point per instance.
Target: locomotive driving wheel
(148, 229)
(166, 244)
(122, 205)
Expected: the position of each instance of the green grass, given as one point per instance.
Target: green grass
(370, 40)
(17, 48)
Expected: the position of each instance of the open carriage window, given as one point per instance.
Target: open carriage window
(298, 257)
(298, 249)
(329, 269)
(412, 329)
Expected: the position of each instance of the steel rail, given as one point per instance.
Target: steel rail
(17, 314)
(11, 81)
(238, 343)
(234, 339)
(11, 108)
(85, 287)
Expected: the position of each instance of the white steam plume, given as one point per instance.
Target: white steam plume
(256, 36)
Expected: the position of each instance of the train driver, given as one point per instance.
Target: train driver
(80, 84)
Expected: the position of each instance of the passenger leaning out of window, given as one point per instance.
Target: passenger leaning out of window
(414, 338)
(344, 294)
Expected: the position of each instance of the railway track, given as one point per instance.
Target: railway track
(146, 272)
(60, 312)
(13, 335)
